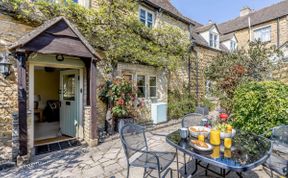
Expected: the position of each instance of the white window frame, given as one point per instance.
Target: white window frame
(261, 35)
(147, 11)
(145, 85)
(234, 46)
(149, 87)
(212, 42)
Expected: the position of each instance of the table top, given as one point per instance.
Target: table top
(247, 152)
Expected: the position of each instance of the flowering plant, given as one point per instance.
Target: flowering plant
(120, 95)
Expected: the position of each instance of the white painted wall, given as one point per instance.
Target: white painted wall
(206, 34)
(227, 43)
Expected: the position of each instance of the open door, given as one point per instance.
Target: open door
(69, 102)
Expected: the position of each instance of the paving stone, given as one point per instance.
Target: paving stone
(105, 160)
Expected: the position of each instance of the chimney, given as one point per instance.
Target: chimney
(245, 11)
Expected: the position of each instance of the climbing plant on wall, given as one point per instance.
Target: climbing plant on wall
(112, 27)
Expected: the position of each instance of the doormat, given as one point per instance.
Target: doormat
(42, 149)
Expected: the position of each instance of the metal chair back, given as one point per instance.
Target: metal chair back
(191, 119)
(280, 134)
(133, 138)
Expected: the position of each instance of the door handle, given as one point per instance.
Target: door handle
(68, 103)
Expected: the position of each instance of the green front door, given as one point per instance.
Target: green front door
(69, 98)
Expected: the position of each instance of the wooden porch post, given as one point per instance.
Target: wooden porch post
(94, 123)
(22, 102)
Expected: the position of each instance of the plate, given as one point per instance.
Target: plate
(210, 147)
(195, 134)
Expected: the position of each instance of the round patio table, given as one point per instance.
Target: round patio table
(247, 152)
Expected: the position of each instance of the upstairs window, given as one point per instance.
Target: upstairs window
(214, 40)
(232, 45)
(263, 34)
(146, 17)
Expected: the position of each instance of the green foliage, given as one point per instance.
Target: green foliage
(207, 103)
(113, 27)
(259, 106)
(229, 70)
(180, 104)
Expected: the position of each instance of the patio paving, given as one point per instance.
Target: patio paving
(106, 160)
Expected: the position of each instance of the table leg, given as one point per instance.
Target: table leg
(177, 162)
(185, 165)
(196, 167)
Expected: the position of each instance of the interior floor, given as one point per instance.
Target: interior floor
(45, 130)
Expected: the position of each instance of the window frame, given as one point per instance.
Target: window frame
(214, 43)
(234, 46)
(149, 86)
(145, 87)
(259, 30)
(147, 11)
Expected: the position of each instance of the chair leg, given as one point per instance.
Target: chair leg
(128, 170)
(145, 169)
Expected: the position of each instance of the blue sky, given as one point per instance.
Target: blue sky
(217, 10)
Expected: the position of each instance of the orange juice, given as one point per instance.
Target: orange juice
(227, 142)
(227, 153)
(215, 137)
(201, 138)
(216, 152)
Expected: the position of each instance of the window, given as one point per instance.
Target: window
(263, 34)
(152, 87)
(146, 17)
(232, 45)
(128, 77)
(213, 40)
(141, 86)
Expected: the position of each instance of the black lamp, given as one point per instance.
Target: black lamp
(60, 57)
(5, 65)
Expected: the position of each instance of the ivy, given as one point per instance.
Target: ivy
(112, 27)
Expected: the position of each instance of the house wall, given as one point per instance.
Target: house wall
(10, 31)
(243, 35)
(46, 85)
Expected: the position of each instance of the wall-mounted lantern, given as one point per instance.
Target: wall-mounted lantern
(5, 65)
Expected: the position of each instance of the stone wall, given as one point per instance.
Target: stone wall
(10, 31)
(243, 35)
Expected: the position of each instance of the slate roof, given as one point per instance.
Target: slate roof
(172, 10)
(226, 37)
(257, 17)
(49, 23)
(204, 28)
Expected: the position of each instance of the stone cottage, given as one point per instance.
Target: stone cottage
(55, 74)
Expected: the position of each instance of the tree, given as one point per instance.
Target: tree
(229, 70)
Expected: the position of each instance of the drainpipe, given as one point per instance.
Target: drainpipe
(250, 32)
(278, 32)
(197, 78)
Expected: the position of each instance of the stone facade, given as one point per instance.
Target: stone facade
(10, 31)
(243, 36)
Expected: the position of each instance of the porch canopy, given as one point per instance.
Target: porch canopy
(56, 36)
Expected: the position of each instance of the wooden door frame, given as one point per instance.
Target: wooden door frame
(45, 61)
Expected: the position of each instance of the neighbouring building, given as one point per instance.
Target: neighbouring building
(49, 83)
(269, 25)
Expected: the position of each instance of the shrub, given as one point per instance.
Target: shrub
(259, 106)
(180, 104)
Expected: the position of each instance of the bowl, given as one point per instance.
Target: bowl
(196, 130)
(225, 134)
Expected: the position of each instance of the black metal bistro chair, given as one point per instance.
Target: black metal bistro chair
(278, 160)
(136, 150)
(191, 119)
